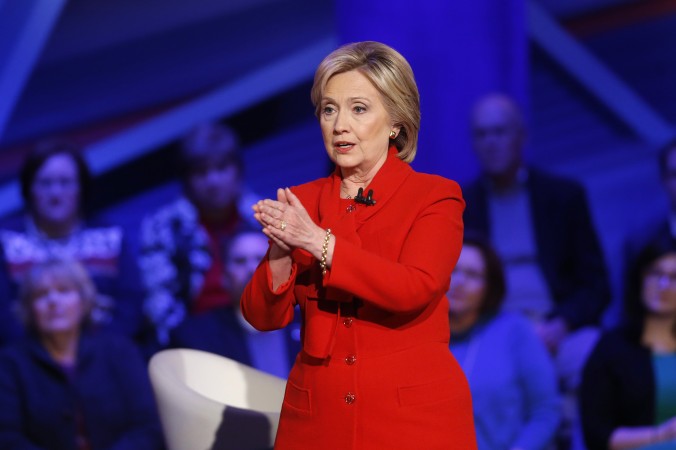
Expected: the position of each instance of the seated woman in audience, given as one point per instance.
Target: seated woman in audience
(65, 386)
(55, 186)
(628, 392)
(510, 373)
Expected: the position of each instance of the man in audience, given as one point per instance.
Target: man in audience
(540, 224)
(180, 258)
(224, 330)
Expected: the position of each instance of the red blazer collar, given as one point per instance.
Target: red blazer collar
(385, 183)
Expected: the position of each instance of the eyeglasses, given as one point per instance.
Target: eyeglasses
(663, 278)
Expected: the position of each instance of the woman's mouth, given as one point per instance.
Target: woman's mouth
(343, 147)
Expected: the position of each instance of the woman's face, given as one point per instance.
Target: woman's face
(468, 283)
(56, 190)
(355, 124)
(659, 286)
(215, 185)
(57, 306)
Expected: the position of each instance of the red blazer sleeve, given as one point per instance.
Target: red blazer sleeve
(264, 308)
(429, 251)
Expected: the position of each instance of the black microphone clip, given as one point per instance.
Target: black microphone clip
(368, 200)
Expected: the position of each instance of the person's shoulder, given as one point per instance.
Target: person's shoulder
(12, 352)
(14, 234)
(311, 187)
(13, 358)
(513, 323)
(21, 352)
(14, 223)
(108, 342)
(220, 319)
(615, 342)
(474, 184)
(104, 228)
(434, 184)
(216, 331)
(513, 319)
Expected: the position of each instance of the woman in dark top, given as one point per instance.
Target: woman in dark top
(628, 392)
(65, 387)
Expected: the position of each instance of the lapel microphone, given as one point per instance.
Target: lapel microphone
(368, 200)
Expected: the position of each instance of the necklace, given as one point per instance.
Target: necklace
(351, 207)
(347, 196)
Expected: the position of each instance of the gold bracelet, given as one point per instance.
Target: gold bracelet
(325, 250)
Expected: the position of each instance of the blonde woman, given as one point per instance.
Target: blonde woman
(65, 386)
(367, 254)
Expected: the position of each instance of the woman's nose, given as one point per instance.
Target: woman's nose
(341, 124)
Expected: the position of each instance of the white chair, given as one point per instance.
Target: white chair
(208, 402)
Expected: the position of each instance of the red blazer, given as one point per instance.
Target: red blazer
(375, 371)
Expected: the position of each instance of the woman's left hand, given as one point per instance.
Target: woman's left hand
(286, 220)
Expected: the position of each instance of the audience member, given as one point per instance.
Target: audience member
(628, 391)
(511, 376)
(180, 244)
(56, 186)
(66, 387)
(539, 224)
(224, 330)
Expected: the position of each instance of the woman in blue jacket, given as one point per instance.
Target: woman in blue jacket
(66, 387)
(511, 375)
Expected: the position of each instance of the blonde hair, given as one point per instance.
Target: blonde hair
(390, 74)
(63, 270)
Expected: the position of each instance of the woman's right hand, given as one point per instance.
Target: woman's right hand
(279, 249)
(279, 257)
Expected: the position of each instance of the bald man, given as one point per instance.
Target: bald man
(540, 225)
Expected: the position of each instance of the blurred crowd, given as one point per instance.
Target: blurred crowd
(82, 310)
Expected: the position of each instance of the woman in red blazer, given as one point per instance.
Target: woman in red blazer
(367, 253)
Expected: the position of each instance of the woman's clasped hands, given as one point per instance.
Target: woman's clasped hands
(287, 223)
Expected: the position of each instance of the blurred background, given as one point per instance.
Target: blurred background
(126, 78)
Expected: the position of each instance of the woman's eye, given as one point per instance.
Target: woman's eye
(359, 109)
(328, 110)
